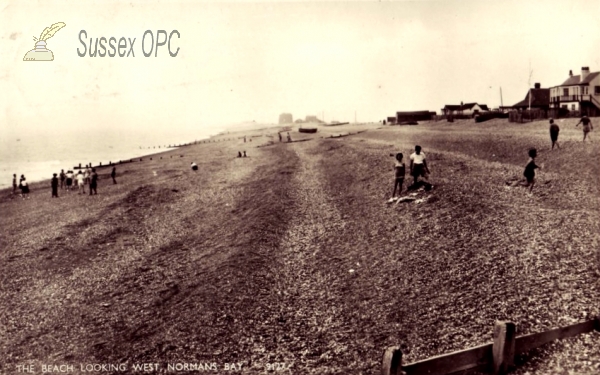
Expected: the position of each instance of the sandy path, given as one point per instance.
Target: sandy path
(309, 305)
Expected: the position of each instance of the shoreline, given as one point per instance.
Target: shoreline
(221, 136)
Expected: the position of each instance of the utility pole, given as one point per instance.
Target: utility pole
(529, 83)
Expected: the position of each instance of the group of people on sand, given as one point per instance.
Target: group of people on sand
(531, 166)
(67, 181)
(554, 130)
(419, 168)
(23, 186)
(289, 137)
(85, 177)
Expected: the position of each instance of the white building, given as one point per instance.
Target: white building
(578, 93)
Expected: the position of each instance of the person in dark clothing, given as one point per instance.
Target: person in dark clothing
(24, 187)
(94, 182)
(280, 137)
(530, 168)
(244, 153)
(14, 184)
(54, 185)
(113, 174)
(239, 154)
(63, 176)
(554, 129)
(400, 171)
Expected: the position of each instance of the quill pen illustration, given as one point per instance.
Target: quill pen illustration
(40, 52)
(50, 31)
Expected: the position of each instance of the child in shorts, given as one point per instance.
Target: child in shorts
(400, 170)
(530, 168)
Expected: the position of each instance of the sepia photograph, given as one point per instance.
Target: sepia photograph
(300, 187)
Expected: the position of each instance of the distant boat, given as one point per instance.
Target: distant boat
(307, 130)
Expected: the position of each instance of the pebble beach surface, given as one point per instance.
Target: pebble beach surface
(290, 260)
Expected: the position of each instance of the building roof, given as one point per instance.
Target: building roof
(413, 113)
(575, 80)
(539, 98)
(459, 107)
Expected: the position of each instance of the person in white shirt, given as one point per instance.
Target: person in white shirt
(80, 182)
(418, 164)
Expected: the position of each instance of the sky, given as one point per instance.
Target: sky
(247, 61)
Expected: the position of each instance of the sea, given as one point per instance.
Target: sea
(38, 155)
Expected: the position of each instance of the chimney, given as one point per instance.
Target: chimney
(585, 71)
(537, 86)
(570, 73)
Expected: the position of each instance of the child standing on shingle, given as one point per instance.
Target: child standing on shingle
(554, 129)
(530, 168)
(400, 171)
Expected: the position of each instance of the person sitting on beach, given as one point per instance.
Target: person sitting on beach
(530, 168)
(587, 126)
(69, 179)
(54, 185)
(80, 182)
(94, 182)
(239, 154)
(24, 187)
(554, 129)
(244, 153)
(418, 164)
(400, 171)
(194, 166)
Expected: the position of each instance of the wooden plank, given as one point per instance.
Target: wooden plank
(479, 357)
(504, 347)
(535, 340)
(392, 361)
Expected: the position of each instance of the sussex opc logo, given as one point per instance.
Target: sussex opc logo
(40, 52)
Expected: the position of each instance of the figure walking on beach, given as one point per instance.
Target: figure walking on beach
(554, 129)
(94, 182)
(63, 177)
(418, 164)
(54, 185)
(113, 174)
(400, 170)
(530, 168)
(587, 126)
(280, 137)
(80, 182)
(289, 137)
(14, 183)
